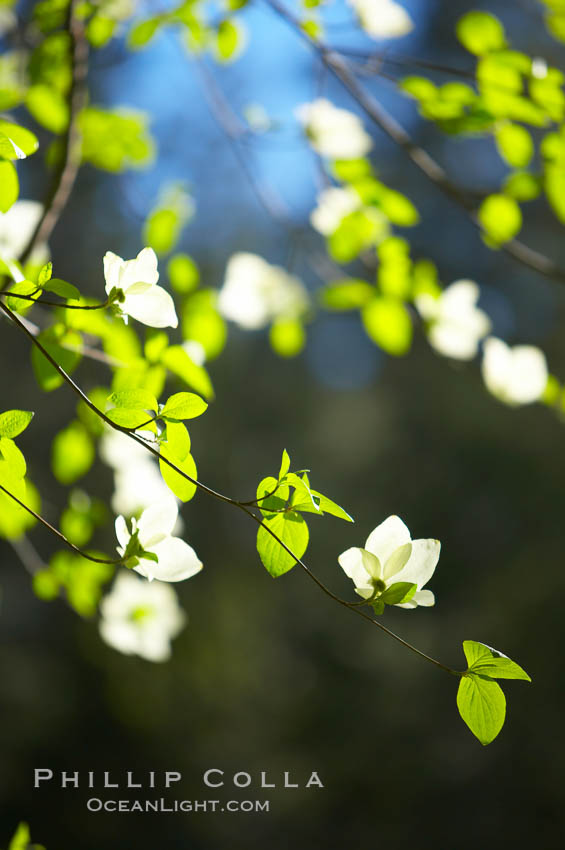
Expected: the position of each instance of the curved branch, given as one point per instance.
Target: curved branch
(65, 175)
(241, 505)
(58, 533)
(340, 69)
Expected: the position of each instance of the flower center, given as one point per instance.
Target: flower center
(378, 585)
(142, 612)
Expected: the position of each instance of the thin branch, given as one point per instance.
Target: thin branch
(46, 303)
(84, 350)
(340, 69)
(66, 173)
(58, 533)
(242, 506)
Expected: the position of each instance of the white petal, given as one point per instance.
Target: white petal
(177, 561)
(151, 305)
(119, 635)
(387, 537)
(529, 373)
(422, 562)
(112, 269)
(157, 521)
(141, 270)
(359, 565)
(453, 340)
(122, 532)
(424, 598)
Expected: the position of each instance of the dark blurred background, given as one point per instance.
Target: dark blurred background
(270, 675)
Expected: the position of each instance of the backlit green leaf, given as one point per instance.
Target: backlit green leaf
(13, 422)
(482, 705)
(184, 406)
(388, 323)
(480, 32)
(291, 528)
(500, 217)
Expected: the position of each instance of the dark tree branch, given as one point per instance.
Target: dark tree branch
(341, 70)
(66, 173)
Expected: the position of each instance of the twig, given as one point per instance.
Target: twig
(65, 175)
(58, 533)
(340, 69)
(242, 506)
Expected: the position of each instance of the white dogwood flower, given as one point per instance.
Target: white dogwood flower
(389, 558)
(333, 205)
(16, 228)
(138, 618)
(255, 293)
(333, 132)
(515, 375)
(137, 480)
(382, 18)
(457, 325)
(142, 298)
(152, 533)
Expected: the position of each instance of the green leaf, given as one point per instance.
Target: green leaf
(202, 323)
(21, 839)
(24, 139)
(328, 507)
(22, 287)
(9, 150)
(129, 417)
(302, 489)
(347, 294)
(500, 217)
(522, 186)
(100, 30)
(115, 139)
(9, 185)
(177, 361)
(61, 288)
(480, 32)
(53, 340)
(400, 591)
(486, 661)
(554, 183)
(48, 107)
(13, 457)
(482, 705)
(44, 275)
(142, 33)
(285, 464)
(178, 440)
(183, 406)
(399, 209)
(183, 273)
(289, 527)
(72, 453)
(230, 39)
(13, 422)
(138, 398)
(271, 495)
(355, 232)
(420, 88)
(162, 230)
(514, 144)
(287, 337)
(181, 487)
(388, 324)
